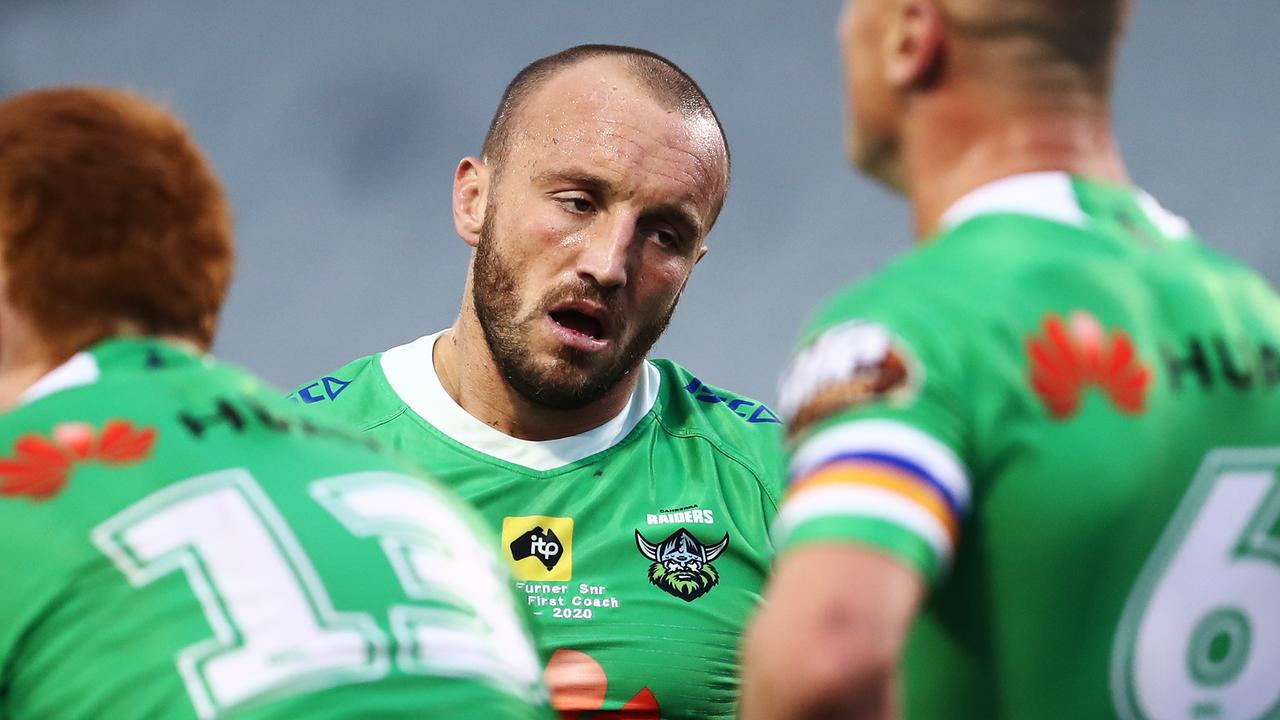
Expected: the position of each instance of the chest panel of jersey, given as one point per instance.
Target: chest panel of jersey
(640, 564)
(641, 635)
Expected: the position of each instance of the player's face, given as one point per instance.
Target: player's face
(872, 134)
(594, 222)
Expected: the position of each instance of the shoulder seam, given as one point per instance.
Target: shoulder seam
(715, 443)
(372, 424)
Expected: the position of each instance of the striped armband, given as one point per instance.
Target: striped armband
(878, 482)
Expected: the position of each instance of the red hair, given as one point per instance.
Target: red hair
(110, 218)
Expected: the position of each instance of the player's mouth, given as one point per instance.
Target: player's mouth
(581, 324)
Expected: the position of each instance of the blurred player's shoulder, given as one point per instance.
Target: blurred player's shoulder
(738, 426)
(131, 376)
(141, 382)
(1027, 236)
(1241, 277)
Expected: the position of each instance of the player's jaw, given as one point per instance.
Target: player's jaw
(575, 343)
(872, 110)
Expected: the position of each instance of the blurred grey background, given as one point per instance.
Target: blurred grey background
(337, 125)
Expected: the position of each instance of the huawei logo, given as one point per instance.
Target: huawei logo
(39, 466)
(1070, 356)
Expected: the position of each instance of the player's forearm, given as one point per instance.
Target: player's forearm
(823, 677)
(870, 694)
(827, 641)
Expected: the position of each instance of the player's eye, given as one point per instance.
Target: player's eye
(576, 203)
(668, 239)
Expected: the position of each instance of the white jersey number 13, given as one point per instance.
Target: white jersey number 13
(275, 629)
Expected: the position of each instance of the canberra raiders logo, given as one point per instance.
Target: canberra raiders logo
(681, 564)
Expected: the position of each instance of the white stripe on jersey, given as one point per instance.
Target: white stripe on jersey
(1173, 227)
(411, 373)
(81, 369)
(862, 501)
(1050, 195)
(889, 437)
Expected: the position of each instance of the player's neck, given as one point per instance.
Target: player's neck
(468, 372)
(25, 363)
(15, 380)
(22, 364)
(958, 144)
(24, 356)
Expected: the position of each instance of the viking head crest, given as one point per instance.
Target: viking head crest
(681, 564)
(681, 551)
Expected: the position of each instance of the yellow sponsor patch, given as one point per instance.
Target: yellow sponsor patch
(539, 547)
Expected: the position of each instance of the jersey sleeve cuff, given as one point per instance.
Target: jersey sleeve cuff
(875, 533)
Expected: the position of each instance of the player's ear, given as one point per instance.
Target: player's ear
(470, 198)
(702, 252)
(913, 43)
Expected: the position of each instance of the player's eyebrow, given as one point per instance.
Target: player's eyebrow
(577, 178)
(686, 222)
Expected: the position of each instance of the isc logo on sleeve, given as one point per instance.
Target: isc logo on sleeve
(539, 547)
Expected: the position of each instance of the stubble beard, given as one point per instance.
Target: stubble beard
(573, 380)
(877, 157)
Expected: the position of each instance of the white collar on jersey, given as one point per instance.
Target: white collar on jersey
(1048, 195)
(410, 371)
(81, 369)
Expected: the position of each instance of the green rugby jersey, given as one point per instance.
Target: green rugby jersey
(1063, 411)
(180, 542)
(640, 546)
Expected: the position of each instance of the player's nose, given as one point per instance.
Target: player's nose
(605, 255)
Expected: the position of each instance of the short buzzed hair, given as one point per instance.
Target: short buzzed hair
(1083, 33)
(668, 83)
(109, 215)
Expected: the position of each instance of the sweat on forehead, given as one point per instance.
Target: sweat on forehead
(661, 80)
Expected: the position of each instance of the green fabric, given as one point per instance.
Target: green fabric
(199, 477)
(702, 460)
(1041, 610)
(886, 536)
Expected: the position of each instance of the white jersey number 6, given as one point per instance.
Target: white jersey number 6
(1200, 635)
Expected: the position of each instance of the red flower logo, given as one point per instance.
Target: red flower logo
(39, 466)
(1070, 356)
